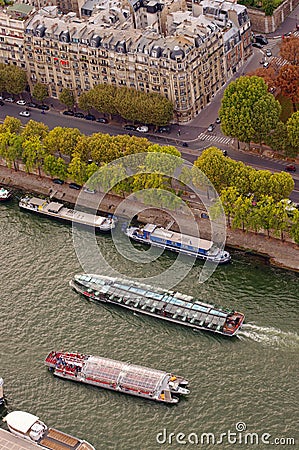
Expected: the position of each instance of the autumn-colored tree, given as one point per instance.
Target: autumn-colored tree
(288, 81)
(289, 49)
(33, 128)
(11, 124)
(268, 75)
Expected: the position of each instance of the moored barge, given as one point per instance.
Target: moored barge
(5, 194)
(156, 302)
(31, 428)
(58, 211)
(118, 376)
(188, 245)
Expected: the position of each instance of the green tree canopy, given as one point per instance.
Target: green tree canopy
(16, 79)
(293, 130)
(40, 92)
(67, 98)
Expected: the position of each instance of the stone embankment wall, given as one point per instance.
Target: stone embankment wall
(268, 24)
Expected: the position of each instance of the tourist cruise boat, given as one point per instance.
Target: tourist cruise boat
(5, 194)
(118, 376)
(156, 302)
(28, 426)
(181, 243)
(58, 211)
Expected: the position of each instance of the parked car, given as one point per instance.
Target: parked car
(290, 168)
(261, 39)
(102, 120)
(24, 113)
(58, 181)
(224, 152)
(142, 129)
(268, 52)
(32, 105)
(75, 186)
(21, 102)
(89, 117)
(1, 103)
(89, 191)
(257, 45)
(185, 144)
(79, 115)
(130, 127)
(43, 107)
(266, 64)
(9, 100)
(68, 113)
(165, 129)
(211, 127)
(218, 120)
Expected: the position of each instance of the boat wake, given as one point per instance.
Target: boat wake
(269, 336)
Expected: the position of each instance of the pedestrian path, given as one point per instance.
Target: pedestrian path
(214, 138)
(278, 61)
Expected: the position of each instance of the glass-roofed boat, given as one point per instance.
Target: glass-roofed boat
(156, 302)
(118, 376)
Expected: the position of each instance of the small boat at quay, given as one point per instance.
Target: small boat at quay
(60, 212)
(5, 194)
(118, 376)
(159, 303)
(151, 234)
(28, 426)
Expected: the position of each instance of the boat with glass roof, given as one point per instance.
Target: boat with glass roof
(60, 212)
(5, 194)
(118, 376)
(30, 427)
(176, 242)
(156, 302)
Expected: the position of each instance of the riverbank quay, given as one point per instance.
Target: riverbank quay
(10, 442)
(283, 254)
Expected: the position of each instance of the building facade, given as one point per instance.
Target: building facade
(183, 56)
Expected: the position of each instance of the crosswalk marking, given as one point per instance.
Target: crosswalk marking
(213, 137)
(278, 61)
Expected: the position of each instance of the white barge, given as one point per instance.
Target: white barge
(60, 212)
(118, 376)
(176, 242)
(31, 428)
(170, 306)
(5, 194)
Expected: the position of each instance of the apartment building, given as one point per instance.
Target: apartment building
(183, 56)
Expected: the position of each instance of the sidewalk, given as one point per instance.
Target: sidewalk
(282, 254)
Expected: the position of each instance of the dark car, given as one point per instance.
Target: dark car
(89, 117)
(185, 144)
(257, 45)
(102, 120)
(79, 114)
(75, 186)
(68, 113)
(163, 130)
(224, 152)
(58, 181)
(43, 107)
(290, 168)
(261, 39)
(130, 127)
(32, 105)
(1, 103)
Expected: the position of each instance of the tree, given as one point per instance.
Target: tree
(33, 154)
(55, 167)
(268, 75)
(11, 124)
(288, 81)
(40, 92)
(289, 49)
(16, 79)
(266, 112)
(266, 211)
(33, 128)
(67, 98)
(85, 101)
(102, 98)
(294, 231)
(10, 148)
(229, 198)
(268, 6)
(279, 141)
(242, 111)
(77, 170)
(293, 130)
(241, 213)
(62, 140)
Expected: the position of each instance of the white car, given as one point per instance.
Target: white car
(268, 52)
(142, 129)
(24, 113)
(21, 102)
(89, 191)
(9, 100)
(266, 64)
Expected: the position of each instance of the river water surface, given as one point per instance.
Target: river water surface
(247, 381)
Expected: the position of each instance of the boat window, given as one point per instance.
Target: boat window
(217, 313)
(122, 286)
(137, 290)
(199, 307)
(154, 295)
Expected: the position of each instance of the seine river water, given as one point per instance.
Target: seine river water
(246, 382)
